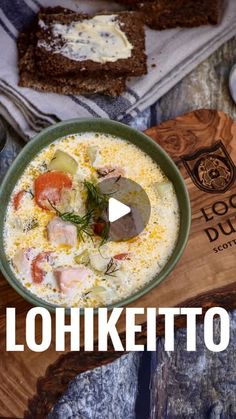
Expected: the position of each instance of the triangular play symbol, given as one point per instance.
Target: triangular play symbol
(117, 210)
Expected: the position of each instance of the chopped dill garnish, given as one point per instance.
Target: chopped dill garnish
(43, 167)
(31, 225)
(111, 268)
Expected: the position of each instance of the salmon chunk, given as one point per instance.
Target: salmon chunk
(62, 232)
(69, 278)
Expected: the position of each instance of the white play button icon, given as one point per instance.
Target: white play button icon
(117, 210)
(127, 209)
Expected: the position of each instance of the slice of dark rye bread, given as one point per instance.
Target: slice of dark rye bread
(57, 64)
(166, 14)
(78, 84)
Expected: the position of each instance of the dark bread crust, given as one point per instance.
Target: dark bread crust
(57, 64)
(77, 84)
(166, 14)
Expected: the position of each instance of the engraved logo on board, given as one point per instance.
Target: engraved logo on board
(211, 168)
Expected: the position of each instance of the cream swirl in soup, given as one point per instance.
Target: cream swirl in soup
(56, 244)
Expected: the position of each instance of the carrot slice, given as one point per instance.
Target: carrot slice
(17, 199)
(122, 256)
(48, 188)
(38, 268)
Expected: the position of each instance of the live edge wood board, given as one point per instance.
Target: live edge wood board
(203, 145)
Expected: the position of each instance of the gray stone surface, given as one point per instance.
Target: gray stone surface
(107, 392)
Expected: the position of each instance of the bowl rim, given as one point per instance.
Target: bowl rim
(98, 123)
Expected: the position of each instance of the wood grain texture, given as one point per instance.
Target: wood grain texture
(201, 278)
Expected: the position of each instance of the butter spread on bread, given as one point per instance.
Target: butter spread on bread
(99, 39)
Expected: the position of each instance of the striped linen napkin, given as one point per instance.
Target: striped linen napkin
(172, 54)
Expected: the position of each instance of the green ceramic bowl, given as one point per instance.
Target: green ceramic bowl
(61, 129)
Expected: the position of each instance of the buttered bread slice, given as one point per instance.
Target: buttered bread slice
(69, 43)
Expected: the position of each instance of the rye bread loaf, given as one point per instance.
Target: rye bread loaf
(52, 63)
(165, 14)
(76, 84)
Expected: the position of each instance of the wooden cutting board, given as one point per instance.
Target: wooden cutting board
(203, 145)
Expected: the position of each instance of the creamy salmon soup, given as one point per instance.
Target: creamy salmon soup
(57, 236)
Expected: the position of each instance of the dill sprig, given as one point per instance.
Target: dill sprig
(83, 224)
(111, 268)
(105, 234)
(29, 192)
(31, 224)
(96, 199)
(97, 203)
